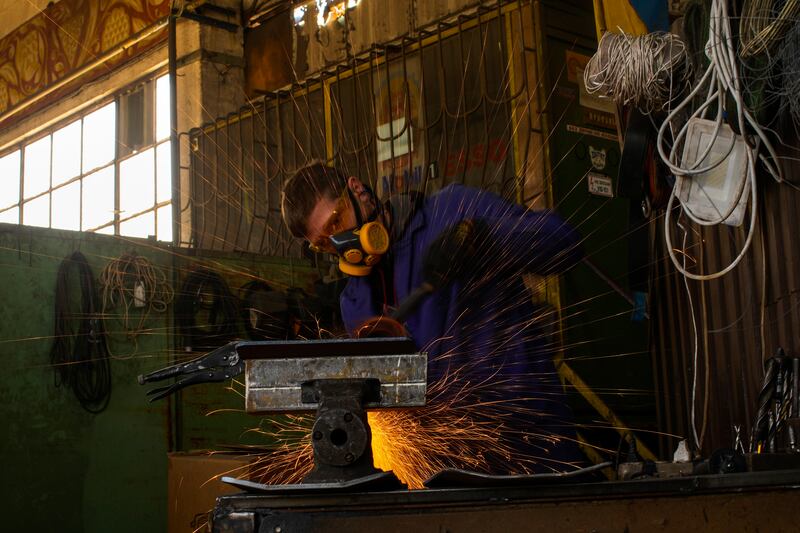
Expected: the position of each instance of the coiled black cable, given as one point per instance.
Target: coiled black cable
(205, 291)
(265, 312)
(79, 353)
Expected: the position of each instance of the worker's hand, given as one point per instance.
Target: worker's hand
(455, 252)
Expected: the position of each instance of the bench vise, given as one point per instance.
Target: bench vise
(339, 379)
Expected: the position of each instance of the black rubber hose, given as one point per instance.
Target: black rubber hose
(223, 314)
(79, 354)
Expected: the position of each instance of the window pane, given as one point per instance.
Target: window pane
(10, 216)
(99, 133)
(37, 212)
(164, 185)
(36, 174)
(66, 153)
(164, 223)
(136, 183)
(98, 198)
(67, 207)
(141, 226)
(9, 179)
(162, 107)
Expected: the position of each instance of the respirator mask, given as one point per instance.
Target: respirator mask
(360, 248)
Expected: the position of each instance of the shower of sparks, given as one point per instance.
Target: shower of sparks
(415, 444)
(464, 422)
(454, 430)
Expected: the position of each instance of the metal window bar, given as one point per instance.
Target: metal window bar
(335, 116)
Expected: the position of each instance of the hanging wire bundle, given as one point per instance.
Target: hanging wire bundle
(131, 281)
(723, 86)
(789, 57)
(205, 295)
(764, 23)
(646, 71)
(79, 353)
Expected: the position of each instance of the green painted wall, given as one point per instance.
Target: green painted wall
(65, 469)
(212, 416)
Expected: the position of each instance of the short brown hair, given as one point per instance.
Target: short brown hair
(302, 191)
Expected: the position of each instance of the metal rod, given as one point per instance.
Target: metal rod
(174, 408)
(613, 284)
(175, 179)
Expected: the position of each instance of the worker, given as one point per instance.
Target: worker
(478, 328)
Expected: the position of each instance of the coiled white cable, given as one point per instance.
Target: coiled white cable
(640, 70)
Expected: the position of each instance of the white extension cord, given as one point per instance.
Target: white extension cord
(721, 79)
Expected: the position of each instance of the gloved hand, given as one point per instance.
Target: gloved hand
(455, 252)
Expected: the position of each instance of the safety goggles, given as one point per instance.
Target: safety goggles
(334, 225)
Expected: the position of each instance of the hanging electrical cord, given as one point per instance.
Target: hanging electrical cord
(79, 353)
(789, 86)
(695, 34)
(131, 281)
(721, 80)
(204, 292)
(647, 71)
(763, 24)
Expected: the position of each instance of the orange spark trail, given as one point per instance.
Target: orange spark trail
(451, 431)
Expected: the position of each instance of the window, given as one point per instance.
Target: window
(327, 11)
(107, 171)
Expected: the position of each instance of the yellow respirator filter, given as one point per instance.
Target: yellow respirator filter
(360, 249)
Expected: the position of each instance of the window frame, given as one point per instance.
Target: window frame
(119, 217)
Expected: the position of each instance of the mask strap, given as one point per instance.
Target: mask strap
(356, 206)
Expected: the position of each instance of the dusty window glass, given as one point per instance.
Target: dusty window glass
(162, 108)
(136, 183)
(164, 226)
(9, 180)
(98, 199)
(99, 137)
(37, 212)
(142, 226)
(36, 171)
(66, 153)
(66, 207)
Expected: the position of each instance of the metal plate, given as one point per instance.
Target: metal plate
(456, 478)
(274, 385)
(323, 348)
(375, 482)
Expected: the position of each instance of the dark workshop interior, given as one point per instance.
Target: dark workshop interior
(443, 266)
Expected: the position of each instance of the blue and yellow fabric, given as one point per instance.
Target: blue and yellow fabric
(634, 17)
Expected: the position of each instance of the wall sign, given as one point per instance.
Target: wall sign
(600, 185)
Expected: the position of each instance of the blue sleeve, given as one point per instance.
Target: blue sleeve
(356, 305)
(518, 238)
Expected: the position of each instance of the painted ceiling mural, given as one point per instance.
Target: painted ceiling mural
(66, 36)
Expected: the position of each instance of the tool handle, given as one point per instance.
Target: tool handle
(411, 302)
(159, 375)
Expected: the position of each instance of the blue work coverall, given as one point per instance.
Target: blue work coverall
(481, 330)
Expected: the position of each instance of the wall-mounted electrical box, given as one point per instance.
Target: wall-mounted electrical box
(712, 194)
